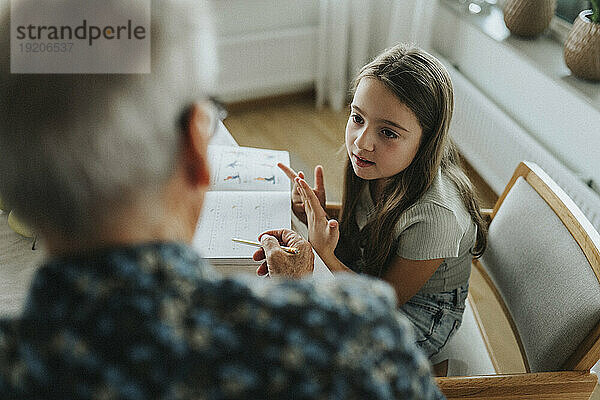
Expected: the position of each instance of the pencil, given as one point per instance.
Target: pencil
(291, 250)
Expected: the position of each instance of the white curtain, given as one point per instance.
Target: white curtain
(343, 47)
(411, 21)
(350, 34)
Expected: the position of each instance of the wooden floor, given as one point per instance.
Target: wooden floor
(315, 137)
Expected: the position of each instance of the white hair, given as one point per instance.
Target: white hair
(73, 146)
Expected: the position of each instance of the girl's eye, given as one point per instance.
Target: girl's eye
(389, 134)
(357, 119)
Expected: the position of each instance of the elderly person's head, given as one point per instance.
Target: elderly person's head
(95, 159)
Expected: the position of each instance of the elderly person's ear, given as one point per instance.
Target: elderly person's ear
(196, 133)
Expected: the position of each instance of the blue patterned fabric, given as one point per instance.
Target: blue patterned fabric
(154, 321)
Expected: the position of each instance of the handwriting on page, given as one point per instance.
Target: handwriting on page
(239, 214)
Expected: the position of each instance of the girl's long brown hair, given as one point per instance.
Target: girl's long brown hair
(422, 83)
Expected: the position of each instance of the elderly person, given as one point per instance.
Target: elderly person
(112, 170)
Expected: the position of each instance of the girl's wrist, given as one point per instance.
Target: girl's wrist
(334, 264)
(327, 257)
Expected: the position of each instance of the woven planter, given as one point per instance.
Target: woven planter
(528, 18)
(582, 48)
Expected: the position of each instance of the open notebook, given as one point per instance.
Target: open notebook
(248, 196)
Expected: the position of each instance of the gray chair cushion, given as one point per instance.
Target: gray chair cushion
(543, 276)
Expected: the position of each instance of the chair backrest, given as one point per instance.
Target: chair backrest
(543, 258)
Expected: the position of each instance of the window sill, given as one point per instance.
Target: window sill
(545, 52)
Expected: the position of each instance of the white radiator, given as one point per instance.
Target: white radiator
(266, 63)
(494, 144)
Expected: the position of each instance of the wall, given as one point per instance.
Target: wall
(268, 47)
(264, 47)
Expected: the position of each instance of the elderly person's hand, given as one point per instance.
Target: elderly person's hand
(278, 262)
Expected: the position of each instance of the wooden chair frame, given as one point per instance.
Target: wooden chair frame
(575, 381)
(333, 209)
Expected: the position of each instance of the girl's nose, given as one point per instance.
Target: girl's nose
(364, 141)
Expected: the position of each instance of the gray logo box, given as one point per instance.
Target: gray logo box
(84, 36)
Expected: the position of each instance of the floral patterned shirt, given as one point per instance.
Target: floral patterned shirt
(154, 321)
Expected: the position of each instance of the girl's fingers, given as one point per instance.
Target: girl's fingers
(299, 188)
(332, 224)
(304, 194)
(288, 171)
(319, 180)
(311, 198)
(301, 174)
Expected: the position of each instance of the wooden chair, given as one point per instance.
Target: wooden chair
(543, 265)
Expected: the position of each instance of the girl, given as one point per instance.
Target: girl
(409, 214)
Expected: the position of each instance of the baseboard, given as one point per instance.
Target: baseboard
(265, 101)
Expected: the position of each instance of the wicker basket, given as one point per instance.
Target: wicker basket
(528, 18)
(582, 48)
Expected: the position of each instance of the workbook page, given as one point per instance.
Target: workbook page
(242, 215)
(247, 169)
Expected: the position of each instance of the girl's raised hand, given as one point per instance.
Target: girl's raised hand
(318, 190)
(323, 233)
